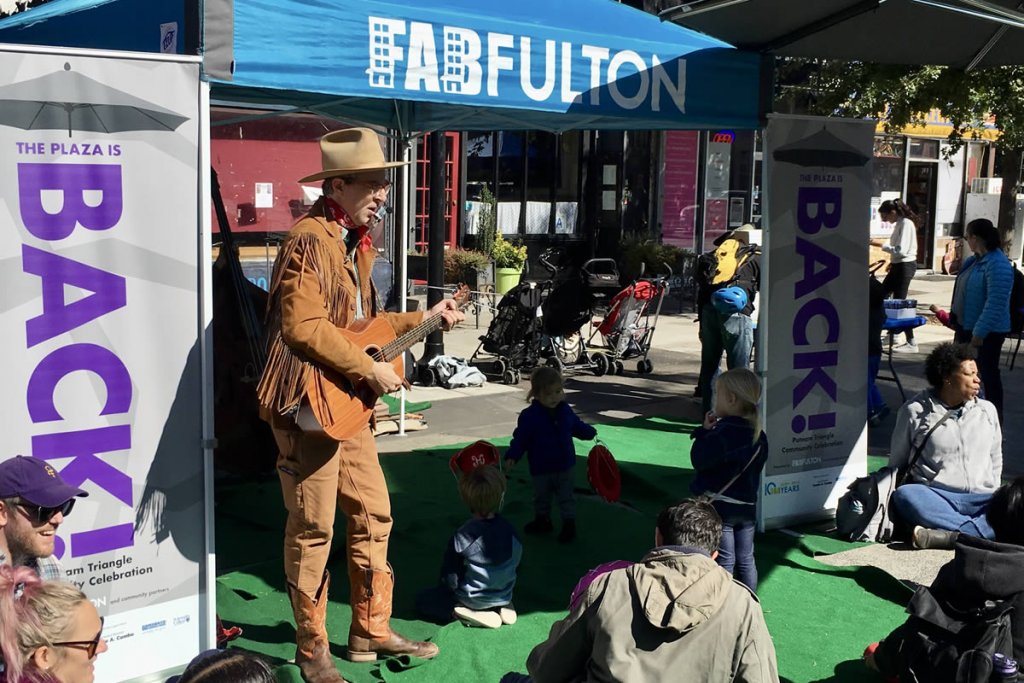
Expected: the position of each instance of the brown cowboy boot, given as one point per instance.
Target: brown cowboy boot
(312, 650)
(370, 635)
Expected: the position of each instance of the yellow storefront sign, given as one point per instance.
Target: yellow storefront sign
(937, 126)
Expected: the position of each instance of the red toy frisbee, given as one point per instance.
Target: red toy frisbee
(603, 473)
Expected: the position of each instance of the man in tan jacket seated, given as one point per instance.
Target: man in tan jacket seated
(674, 616)
(320, 287)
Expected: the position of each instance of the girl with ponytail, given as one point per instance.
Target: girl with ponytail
(902, 250)
(728, 454)
(49, 631)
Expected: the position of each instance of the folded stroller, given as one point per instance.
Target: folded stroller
(513, 340)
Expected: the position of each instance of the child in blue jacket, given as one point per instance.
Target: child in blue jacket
(478, 572)
(544, 434)
(729, 451)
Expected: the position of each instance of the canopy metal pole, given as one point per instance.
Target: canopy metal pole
(403, 259)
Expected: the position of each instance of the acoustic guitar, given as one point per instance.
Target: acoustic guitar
(338, 410)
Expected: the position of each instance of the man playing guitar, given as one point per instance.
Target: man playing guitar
(321, 285)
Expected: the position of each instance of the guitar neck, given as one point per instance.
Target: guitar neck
(396, 348)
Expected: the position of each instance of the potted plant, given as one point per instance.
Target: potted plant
(509, 259)
(467, 266)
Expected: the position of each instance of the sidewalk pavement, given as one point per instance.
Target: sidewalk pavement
(473, 413)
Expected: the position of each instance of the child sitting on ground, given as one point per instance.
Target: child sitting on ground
(729, 451)
(544, 433)
(478, 572)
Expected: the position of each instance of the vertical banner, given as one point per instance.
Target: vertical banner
(100, 330)
(814, 340)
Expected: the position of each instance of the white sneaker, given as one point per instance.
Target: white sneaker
(508, 614)
(908, 347)
(481, 618)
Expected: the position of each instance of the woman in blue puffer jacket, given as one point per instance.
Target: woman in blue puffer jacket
(980, 312)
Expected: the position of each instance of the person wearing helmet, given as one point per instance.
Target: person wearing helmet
(725, 300)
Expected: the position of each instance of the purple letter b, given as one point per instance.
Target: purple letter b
(72, 181)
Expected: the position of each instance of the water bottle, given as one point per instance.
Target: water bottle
(1004, 669)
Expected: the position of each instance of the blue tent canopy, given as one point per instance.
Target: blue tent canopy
(442, 65)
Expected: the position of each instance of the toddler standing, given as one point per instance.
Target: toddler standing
(729, 451)
(544, 434)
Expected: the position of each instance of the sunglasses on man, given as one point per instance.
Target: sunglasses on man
(89, 646)
(42, 514)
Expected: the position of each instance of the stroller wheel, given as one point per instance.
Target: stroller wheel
(427, 377)
(619, 367)
(500, 367)
(645, 366)
(602, 364)
(510, 377)
(554, 362)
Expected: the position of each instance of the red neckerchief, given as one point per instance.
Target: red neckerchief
(341, 217)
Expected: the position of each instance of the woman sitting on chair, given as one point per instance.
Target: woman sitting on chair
(951, 481)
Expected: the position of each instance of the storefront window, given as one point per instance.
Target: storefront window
(888, 166)
(479, 164)
(527, 171)
(924, 149)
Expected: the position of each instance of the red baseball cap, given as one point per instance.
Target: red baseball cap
(35, 481)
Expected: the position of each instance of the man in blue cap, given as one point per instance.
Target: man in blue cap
(34, 501)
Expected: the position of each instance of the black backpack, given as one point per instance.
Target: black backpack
(941, 643)
(1017, 302)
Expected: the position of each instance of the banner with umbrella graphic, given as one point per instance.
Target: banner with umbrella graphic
(100, 321)
(68, 99)
(813, 284)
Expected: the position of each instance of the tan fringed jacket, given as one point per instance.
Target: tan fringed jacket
(312, 294)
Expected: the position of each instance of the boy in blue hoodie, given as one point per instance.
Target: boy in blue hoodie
(478, 572)
(544, 434)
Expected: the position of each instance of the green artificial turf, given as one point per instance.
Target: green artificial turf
(394, 405)
(820, 617)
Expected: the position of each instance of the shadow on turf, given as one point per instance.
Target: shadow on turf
(850, 671)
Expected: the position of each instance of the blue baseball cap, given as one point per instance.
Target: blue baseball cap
(35, 481)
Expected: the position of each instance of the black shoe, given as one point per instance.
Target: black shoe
(540, 525)
(934, 539)
(568, 532)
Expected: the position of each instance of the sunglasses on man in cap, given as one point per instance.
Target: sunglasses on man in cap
(42, 514)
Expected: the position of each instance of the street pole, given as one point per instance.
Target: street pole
(434, 345)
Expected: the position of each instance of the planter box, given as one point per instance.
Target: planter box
(479, 279)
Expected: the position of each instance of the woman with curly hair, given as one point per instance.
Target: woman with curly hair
(951, 483)
(49, 631)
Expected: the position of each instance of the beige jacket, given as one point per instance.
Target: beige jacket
(674, 616)
(312, 294)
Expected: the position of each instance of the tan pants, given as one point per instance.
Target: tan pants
(316, 476)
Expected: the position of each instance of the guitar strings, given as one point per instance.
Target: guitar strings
(391, 350)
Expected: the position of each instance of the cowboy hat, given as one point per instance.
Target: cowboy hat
(351, 150)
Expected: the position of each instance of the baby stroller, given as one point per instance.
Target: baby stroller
(627, 328)
(571, 306)
(512, 343)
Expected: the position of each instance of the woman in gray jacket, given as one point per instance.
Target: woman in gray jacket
(951, 482)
